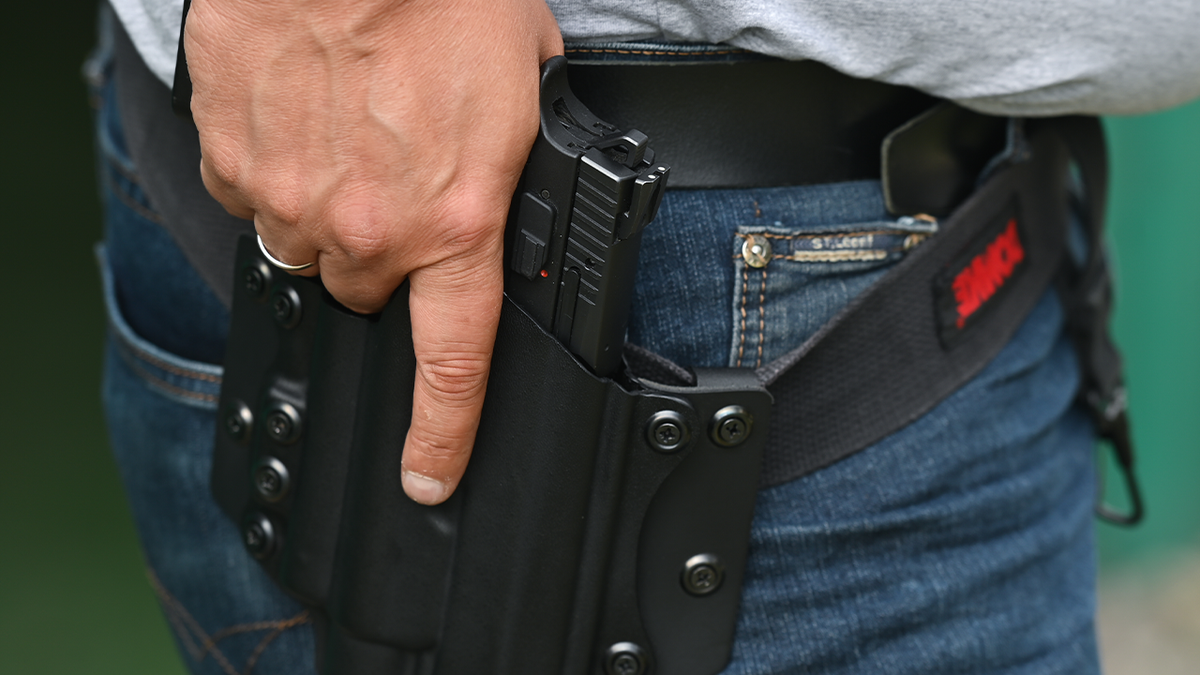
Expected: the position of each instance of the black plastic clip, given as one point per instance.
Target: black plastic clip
(1112, 425)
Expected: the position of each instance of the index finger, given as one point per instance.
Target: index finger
(455, 308)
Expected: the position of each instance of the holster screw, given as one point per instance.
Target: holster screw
(285, 305)
(667, 431)
(731, 426)
(258, 534)
(255, 278)
(238, 421)
(702, 574)
(625, 658)
(283, 423)
(271, 479)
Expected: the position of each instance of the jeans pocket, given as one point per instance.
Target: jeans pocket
(789, 281)
(226, 614)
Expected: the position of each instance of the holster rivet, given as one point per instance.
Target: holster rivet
(238, 421)
(255, 278)
(625, 658)
(258, 534)
(703, 574)
(667, 431)
(254, 281)
(731, 426)
(271, 479)
(285, 305)
(283, 423)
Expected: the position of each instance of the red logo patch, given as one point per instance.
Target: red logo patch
(987, 272)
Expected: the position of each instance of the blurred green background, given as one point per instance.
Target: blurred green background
(73, 595)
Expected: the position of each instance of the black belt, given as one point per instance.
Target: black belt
(751, 123)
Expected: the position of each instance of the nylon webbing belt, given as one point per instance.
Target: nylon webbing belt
(996, 255)
(888, 357)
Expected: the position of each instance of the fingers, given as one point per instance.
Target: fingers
(455, 309)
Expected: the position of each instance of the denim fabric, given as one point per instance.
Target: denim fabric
(166, 331)
(960, 544)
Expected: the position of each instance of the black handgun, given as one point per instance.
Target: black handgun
(576, 222)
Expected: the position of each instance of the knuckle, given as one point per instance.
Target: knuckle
(363, 232)
(286, 204)
(473, 223)
(221, 169)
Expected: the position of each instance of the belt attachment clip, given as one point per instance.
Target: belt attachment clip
(1087, 294)
(1112, 425)
(1089, 301)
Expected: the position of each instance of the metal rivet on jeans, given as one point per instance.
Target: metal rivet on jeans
(239, 421)
(667, 431)
(271, 479)
(283, 423)
(702, 574)
(285, 305)
(625, 658)
(756, 250)
(731, 426)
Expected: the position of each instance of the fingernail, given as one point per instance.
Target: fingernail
(423, 489)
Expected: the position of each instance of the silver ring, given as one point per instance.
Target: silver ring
(279, 263)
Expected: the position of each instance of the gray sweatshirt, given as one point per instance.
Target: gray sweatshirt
(1014, 57)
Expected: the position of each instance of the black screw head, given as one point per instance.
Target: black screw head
(283, 423)
(702, 574)
(279, 425)
(731, 426)
(238, 421)
(285, 306)
(627, 664)
(545, 194)
(255, 279)
(255, 283)
(270, 478)
(625, 658)
(667, 431)
(258, 534)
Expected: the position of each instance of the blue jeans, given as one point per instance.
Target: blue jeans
(961, 544)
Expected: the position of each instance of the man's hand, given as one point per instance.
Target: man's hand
(382, 139)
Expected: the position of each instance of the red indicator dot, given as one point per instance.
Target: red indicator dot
(545, 274)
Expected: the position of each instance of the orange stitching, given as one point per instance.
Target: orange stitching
(178, 614)
(174, 389)
(133, 203)
(815, 235)
(188, 629)
(297, 620)
(653, 52)
(742, 333)
(175, 370)
(762, 317)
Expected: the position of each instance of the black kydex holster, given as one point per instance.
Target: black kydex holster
(603, 522)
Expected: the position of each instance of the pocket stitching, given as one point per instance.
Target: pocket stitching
(128, 199)
(189, 630)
